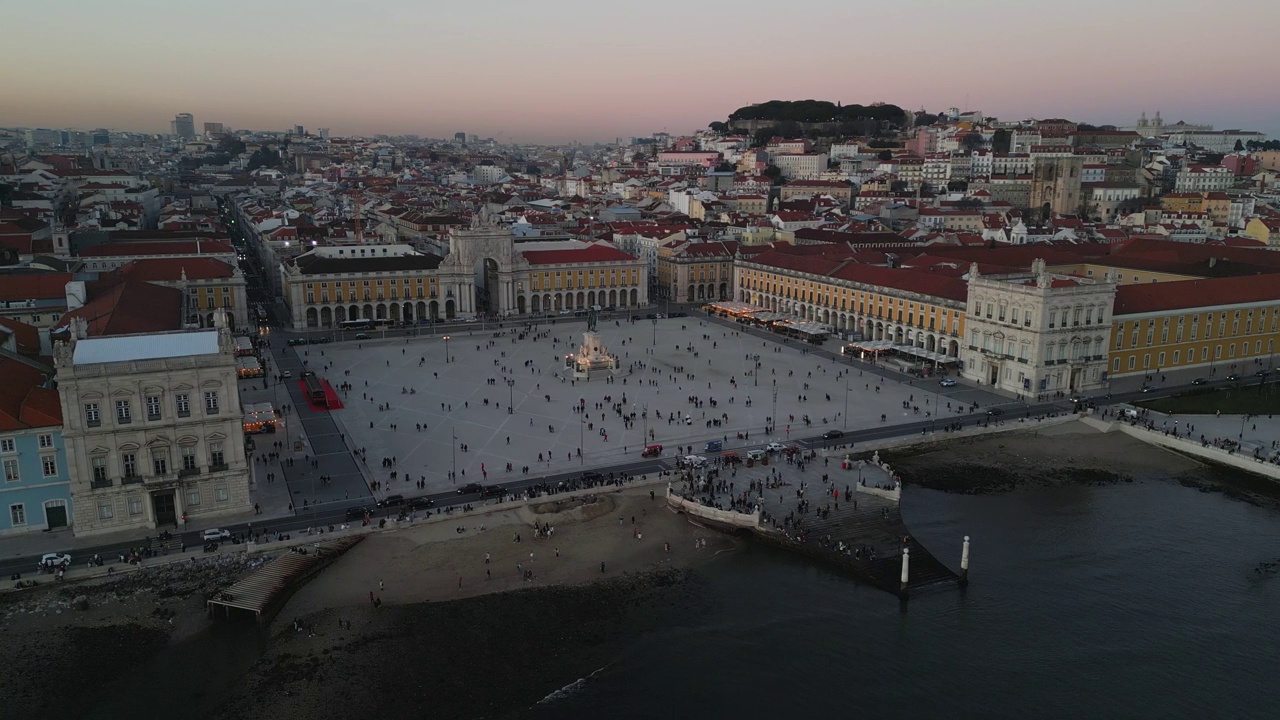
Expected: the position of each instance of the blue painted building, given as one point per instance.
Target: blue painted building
(35, 487)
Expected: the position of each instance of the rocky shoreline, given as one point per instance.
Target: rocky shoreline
(68, 641)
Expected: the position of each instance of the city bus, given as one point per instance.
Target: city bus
(315, 390)
(356, 325)
(261, 313)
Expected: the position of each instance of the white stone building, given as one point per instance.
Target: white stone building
(1038, 333)
(152, 426)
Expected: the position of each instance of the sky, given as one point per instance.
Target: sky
(595, 70)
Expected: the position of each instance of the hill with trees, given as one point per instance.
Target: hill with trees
(817, 111)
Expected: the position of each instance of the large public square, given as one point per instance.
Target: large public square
(687, 381)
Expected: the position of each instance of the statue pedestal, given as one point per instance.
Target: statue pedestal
(592, 357)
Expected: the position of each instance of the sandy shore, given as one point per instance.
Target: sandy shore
(1068, 453)
(530, 637)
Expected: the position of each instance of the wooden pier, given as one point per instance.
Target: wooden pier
(266, 589)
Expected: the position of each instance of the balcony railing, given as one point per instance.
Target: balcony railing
(99, 484)
(188, 472)
(221, 467)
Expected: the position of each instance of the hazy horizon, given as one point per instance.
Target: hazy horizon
(578, 70)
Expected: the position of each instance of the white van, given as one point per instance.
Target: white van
(1130, 413)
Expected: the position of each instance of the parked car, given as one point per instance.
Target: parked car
(54, 559)
(391, 501)
(362, 336)
(775, 447)
(326, 339)
(286, 373)
(756, 454)
(356, 513)
(947, 382)
(471, 489)
(1199, 381)
(215, 535)
(493, 491)
(695, 461)
(421, 503)
(714, 445)
(832, 434)
(993, 412)
(297, 341)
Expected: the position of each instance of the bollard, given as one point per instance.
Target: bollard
(964, 563)
(906, 564)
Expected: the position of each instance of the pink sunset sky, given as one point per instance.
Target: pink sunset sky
(587, 70)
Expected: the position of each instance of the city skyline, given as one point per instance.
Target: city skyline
(574, 72)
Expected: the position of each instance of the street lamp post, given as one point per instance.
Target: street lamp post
(454, 433)
(582, 438)
(446, 348)
(655, 332)
(511, 383)
(773, 419)
(846, 398)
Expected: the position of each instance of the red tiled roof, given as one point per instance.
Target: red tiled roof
(23, 402)
(130, 308)
(172, 269)
(1181, 294)
(45, 286)
(180, 247)
(933, 285)
(593, 253)
(27, 337)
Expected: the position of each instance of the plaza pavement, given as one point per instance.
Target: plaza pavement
(681, 357)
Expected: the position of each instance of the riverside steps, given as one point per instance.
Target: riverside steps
(860, 532)
(264, 591)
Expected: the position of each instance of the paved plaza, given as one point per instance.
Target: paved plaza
(406, 402)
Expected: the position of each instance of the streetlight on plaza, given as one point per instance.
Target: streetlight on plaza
(511, 383)
(773, 419)
(582, 438)
(846, 398)
(446, 348)
(755, 373)
(453, 431)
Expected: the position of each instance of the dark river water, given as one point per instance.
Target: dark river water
(1123, 601)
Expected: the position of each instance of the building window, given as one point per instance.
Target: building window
(105, 512)
(160, 462)
(18, 514)
(99, 469)
(124, 414)
(1132, 360)
(215, 454)
(220, 494)
(135, 506)
(153, 407)
(46, 441)
(129, 465)
(211, 402)
(91, 416)
(1115, 365)
(193, 497)
(1160, 360)
(48, 465)
(1177, 357)
(11, 470)
(189, 458)
(183, 403)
